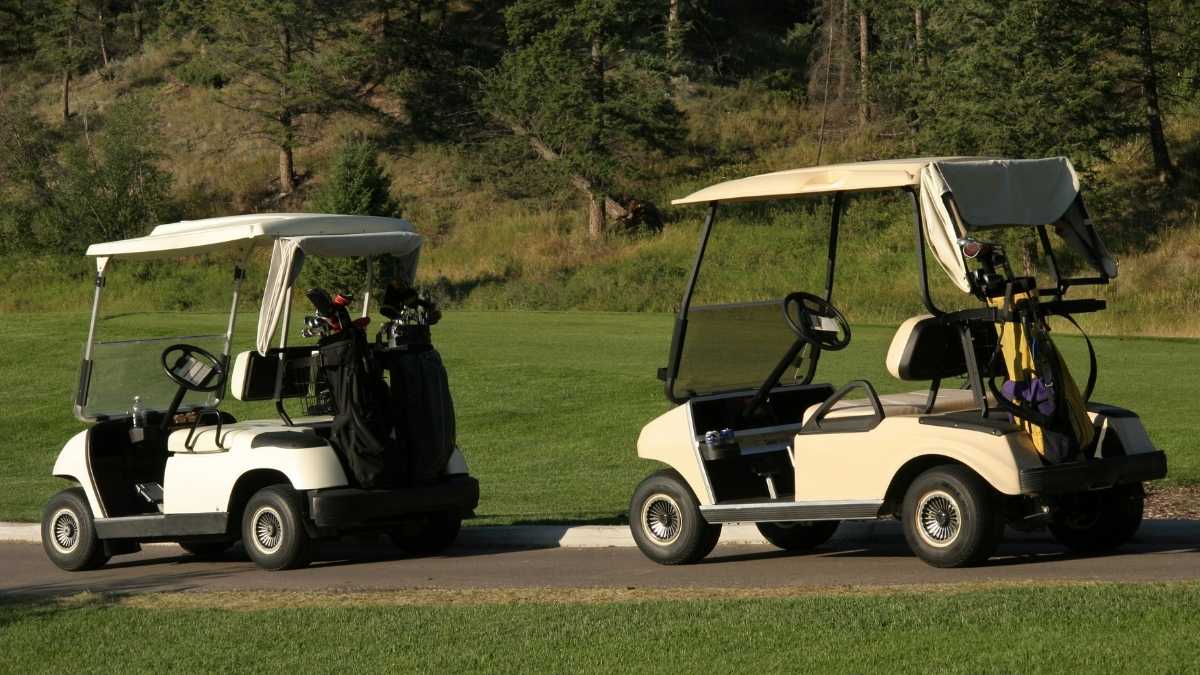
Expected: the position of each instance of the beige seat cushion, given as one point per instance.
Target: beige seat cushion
(910, 403)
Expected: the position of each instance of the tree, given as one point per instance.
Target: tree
(584, 83)
(358, 185)
(110, 186)
(60, 40)
(290, 59)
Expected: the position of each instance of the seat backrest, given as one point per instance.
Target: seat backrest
(925, 348)
(254, 375)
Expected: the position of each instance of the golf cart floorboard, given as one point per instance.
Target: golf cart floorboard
(784, 508)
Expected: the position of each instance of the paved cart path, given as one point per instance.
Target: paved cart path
(875, 555)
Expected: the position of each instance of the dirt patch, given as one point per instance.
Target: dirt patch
(1175, 502)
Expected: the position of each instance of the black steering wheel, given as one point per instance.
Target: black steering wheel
(203, 374)
(811, 322)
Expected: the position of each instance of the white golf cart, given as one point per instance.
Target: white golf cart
(160, 461)
(755, 439)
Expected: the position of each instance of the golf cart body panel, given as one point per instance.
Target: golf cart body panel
(184, 471)
(788, 451)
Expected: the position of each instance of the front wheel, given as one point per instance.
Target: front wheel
(952, 517)
(69, 533)
(1095, 522)
(665, 519)
(273, 529)
(798, 535)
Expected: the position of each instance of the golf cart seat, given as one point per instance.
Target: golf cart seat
(259, 434)
(923, 349)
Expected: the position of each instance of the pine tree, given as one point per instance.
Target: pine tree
(585, 83)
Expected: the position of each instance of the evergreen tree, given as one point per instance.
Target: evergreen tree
(357, 185)
(585, 83)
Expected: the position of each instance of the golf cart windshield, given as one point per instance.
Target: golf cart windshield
(123, 369)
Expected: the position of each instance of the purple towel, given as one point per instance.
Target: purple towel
(1031, 391)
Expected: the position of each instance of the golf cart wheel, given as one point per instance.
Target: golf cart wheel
(68, 533)
(952, 517)
(431, 534)
(205, 549)
(1094, 522)
(273, 529)
(798, 535)
(665, 519)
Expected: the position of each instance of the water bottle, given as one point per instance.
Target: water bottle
(136, 412)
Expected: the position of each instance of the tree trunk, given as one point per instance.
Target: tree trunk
(1149, 76)
(595, 215)
(864, 69)
(919, 25)
(66, 94)
(674, 35)
(287, 167)
(102, 21)
(138, 29)
(844, 47)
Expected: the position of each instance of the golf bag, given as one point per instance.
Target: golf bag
(361, 430)
(422, 413)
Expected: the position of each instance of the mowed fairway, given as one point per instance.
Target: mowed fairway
(549, 404)
(1077, 628)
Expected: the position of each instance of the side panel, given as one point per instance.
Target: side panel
(202, 482)
(72, 463)
(860, 466)
(671, 440)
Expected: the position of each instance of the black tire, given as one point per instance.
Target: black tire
(432, 534)
(665, 519)
(69, 533)
(798, 535)
(952, 517)
(205, 549)
(273, 529)
(1095, 522)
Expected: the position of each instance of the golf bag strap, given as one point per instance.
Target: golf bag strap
(1091, 383)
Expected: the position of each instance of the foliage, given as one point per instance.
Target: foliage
(356, 185)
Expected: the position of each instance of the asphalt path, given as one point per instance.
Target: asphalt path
(861, 556)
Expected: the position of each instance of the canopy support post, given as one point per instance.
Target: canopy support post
(283, 339)
(834, 222)
(85, 365)
(920, 237)
(239, 274)
(667, 375)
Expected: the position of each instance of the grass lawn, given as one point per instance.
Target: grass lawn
(549, 404)
(1072, 628)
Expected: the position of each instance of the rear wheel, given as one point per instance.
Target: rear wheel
(69, 533)
(798, 535)
(432, 534)
(952, 517)
(1094, 522)
(273, 529)
(665, 519)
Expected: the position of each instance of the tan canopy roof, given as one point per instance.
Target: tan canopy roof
(854, 177)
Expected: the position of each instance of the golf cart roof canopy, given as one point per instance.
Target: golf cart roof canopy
(883, 174)
(240, 234)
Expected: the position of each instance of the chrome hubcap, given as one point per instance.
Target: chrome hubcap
(662, 519)
(939, 519)
(64, 531)
(268, 529)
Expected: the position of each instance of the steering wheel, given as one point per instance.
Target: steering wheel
(817, 321)
(203, 374)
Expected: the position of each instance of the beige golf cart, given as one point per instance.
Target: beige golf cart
(757, 438)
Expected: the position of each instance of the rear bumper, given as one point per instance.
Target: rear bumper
(1094, 474)
(342, 508)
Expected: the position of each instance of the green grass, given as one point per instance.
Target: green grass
(549, 404)
(1082, 628)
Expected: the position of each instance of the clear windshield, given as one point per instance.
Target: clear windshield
(123, 369)
(735, 346)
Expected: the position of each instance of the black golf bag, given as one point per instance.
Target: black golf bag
(361, 429)
(422, 412)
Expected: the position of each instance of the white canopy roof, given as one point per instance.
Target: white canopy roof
(854, 177)
(238, 234)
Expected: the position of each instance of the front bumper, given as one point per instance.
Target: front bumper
(1093, 474)
(345, 508)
